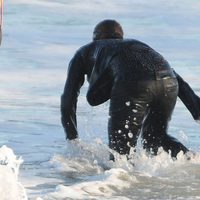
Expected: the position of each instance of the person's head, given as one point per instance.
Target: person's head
(108, 29)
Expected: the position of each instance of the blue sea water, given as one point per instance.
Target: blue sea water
(39, 38)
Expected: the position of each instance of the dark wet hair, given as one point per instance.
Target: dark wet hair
(108, 29)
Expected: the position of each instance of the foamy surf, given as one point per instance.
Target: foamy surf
(104, 186)
(125, 179)
(10, 187)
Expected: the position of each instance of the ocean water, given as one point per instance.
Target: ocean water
(36, 162)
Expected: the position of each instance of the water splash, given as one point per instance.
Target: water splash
(102, 178)
(10, 187)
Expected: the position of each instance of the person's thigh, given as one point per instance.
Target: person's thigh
(126, 116)
(154, 130)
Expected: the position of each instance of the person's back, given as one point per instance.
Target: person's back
(121, 62)
(132, 53)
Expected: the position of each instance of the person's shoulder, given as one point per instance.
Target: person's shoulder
(134, 41)
(86, 46)
(80, 51)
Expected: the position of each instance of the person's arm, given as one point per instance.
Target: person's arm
(100, 87)
(188, 97)
(101, 80)
(69, 98)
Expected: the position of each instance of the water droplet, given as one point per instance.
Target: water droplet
(126, 126)
(130, 135)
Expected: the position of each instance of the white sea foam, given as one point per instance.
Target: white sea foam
(84, 161)
(10, 187)
(105, 186)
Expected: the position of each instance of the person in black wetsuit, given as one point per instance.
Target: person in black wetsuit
(141, 86)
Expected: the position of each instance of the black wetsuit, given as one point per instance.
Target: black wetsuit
(142, 89)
